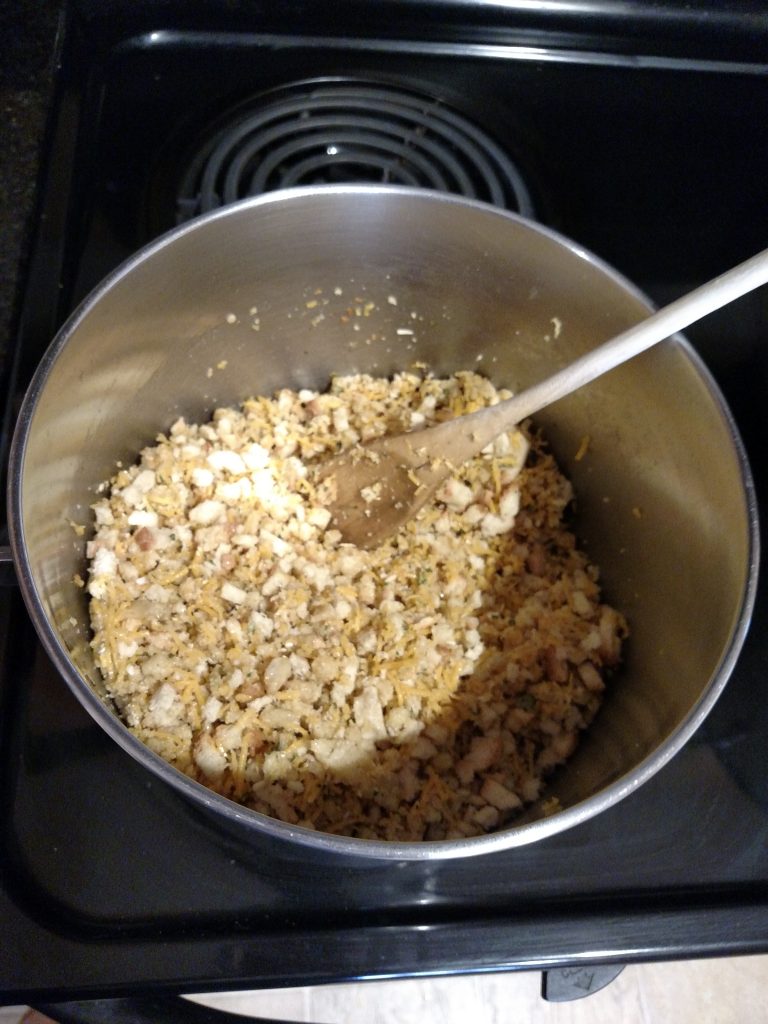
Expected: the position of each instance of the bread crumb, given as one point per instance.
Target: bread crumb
(421, 689)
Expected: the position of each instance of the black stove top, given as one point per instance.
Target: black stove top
(648, 146)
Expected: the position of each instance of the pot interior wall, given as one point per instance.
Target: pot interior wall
(660, 491)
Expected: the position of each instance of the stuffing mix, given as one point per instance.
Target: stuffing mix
(419, 691)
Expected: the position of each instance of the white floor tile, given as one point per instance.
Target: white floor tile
(12, 1014)
(727, 991)
(724, 991)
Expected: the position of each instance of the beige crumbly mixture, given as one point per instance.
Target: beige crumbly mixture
(422, 690)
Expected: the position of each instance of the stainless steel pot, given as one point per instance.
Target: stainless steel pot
(666, 502)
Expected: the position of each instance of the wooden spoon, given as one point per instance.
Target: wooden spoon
(377, 487)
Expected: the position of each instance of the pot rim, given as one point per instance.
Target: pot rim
(513, 835)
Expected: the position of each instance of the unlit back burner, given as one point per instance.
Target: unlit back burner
(343, 133)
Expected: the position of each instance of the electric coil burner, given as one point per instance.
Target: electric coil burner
(341, 132)
(640, 133)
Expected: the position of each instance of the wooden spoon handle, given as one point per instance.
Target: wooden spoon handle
(486, 424)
